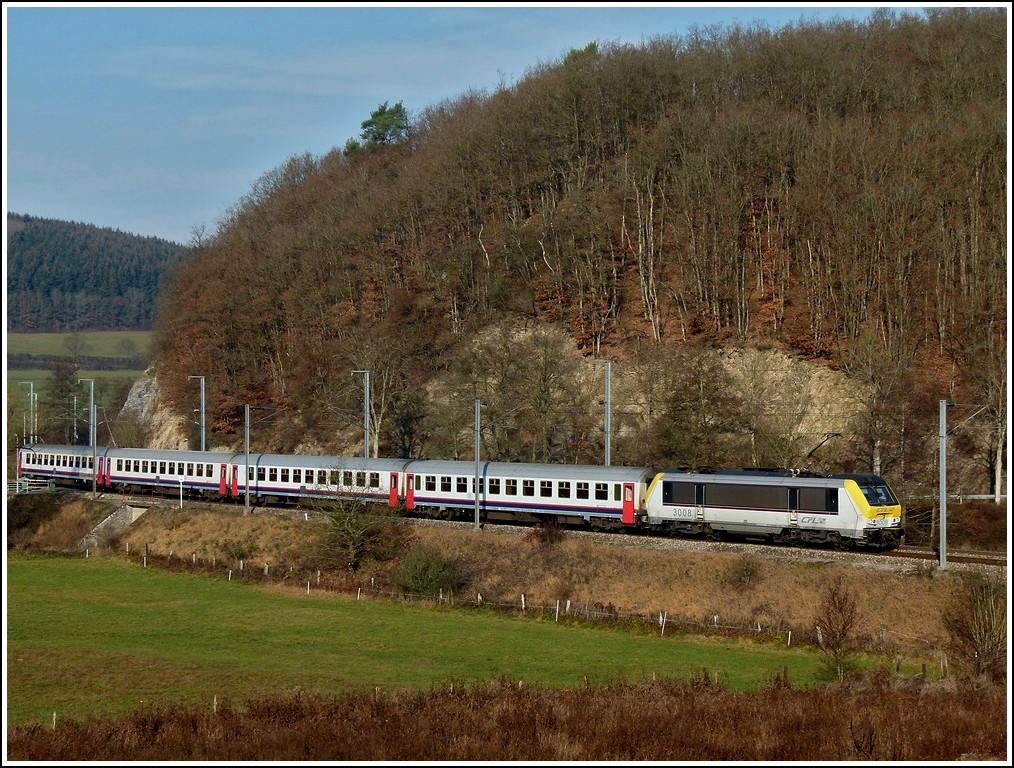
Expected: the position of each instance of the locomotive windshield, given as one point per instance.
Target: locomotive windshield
(878, 495)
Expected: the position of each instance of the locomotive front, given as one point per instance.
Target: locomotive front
(880, 517)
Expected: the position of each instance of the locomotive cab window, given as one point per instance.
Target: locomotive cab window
(878, 495)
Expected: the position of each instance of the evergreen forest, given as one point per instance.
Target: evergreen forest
(66, 276)
(829, 195)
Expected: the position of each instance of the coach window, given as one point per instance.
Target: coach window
(321, 477)
(347, 478)
(190, 468)
(360, 479)
(161, 468)
(200, 468)
(511, 487)
(374, 479)
(261, 474)
(494, 485)
(273, 474)
(445, 483)
(582, 490)
(333, 477)
(527, 487)
(284, 476)
(172, 467)
(137, 465)
(431, 482)
(545, 488)
(297, 476)
(144, 466)
(563, 489)
(602, 491)
(616, 491)
(119, 465)
(462, 485)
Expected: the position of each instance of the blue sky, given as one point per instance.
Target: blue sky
(157, 118)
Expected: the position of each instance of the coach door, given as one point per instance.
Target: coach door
(101, 465)
(223, 480)
(235, 480)
(393, 497)
(628, 503)
(409, 491)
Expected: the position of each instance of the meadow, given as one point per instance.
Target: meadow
(163, 646)
(99, 635)
(109, 659)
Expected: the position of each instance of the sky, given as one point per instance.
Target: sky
(156, 119)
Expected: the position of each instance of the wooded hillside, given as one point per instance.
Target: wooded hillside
(65, 276)
(834, 192)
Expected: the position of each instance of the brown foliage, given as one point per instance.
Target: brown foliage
(506, 721)
(804, 189)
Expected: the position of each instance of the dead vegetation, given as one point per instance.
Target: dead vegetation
(870, 719)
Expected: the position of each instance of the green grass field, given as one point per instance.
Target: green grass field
(94, 636)
(89, 344)
(97, 343)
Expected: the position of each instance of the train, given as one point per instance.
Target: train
(841, 511)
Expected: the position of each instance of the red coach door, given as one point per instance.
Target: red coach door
(235, 480)
(393, 499)
(99, 477)
(409, 491)
(222, 480)
(628, 503)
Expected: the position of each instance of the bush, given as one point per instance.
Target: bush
(976, 622)
(424, 571)
(837, 621)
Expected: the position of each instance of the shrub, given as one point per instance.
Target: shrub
(976, 622)
(837, 620)
(424, 571)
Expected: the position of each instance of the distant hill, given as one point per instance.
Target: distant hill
(66, 276)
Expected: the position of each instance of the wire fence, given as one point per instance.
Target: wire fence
(587, 612)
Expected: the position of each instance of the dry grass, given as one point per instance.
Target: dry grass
(741, 589)
(654, 720)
